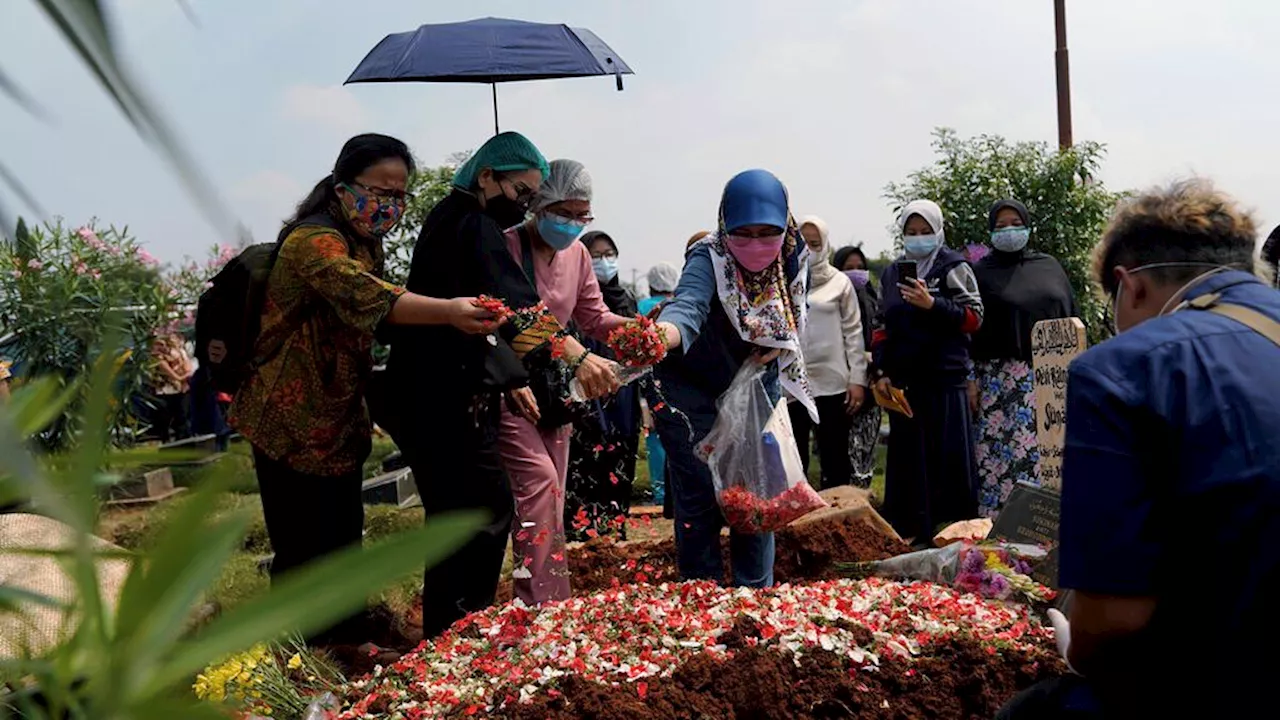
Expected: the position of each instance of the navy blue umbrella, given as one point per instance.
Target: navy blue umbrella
(489, 50)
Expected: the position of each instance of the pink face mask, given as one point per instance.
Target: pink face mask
(754, 254)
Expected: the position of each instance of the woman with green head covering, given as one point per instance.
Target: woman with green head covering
(450, 387)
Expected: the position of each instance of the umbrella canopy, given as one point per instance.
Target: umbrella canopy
(489, 50)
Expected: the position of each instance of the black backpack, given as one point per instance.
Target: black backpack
(229, 313)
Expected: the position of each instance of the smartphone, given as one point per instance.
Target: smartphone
(906, 271)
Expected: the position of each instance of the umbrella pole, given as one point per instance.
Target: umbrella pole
(495, 107)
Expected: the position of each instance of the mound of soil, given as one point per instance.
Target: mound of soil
(804, 552)
(958, 679)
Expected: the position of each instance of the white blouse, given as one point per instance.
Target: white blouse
(834, 356)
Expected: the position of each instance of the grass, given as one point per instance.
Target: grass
(241, 579)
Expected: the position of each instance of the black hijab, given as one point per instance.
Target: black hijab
(619, 300)
(1019, 289)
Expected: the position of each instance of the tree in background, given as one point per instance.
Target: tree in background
(1069, 207)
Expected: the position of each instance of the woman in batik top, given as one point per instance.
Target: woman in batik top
(1020, 287)
(303, 406)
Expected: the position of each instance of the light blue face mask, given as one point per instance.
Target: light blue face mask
(606, 268)
(920, 246)
(1010, 239)
(559, 232)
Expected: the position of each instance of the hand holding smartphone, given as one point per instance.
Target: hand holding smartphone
(907, 271)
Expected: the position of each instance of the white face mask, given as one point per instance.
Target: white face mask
(1115, 304)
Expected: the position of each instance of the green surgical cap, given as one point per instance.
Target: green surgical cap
(502, 153)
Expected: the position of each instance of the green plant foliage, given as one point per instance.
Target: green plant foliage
(61, 291)
(1069, 206)
(133, 661)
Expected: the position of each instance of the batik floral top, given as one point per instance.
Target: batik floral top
(305, 404)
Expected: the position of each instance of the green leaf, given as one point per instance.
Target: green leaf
(36, 404)
(169, 708)
(315, 597)
(83, 25)
(158, 595)
(12, 598)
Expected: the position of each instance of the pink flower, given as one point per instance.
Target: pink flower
(973, 253)
(95, 274)
(17, 274)
(147, 258)
(34, 264)
(81, 268)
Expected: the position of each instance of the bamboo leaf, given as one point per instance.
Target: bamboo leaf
(159, 593)
(10, 87)
(12, 598)
(38, 403)
(83, 25)
(24, 194)
(315, 597)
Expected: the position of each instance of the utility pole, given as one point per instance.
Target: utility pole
(1063, 73)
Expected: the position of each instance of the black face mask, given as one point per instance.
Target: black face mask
(506, 212)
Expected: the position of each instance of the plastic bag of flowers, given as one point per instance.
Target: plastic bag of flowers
(993, 569)
(755, 466)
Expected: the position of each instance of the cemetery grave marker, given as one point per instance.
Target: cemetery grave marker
(1054, 344)
(1031, 513)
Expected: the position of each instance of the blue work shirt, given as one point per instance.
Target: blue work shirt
(1171, 490)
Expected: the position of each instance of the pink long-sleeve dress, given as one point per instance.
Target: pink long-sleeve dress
(537, 461)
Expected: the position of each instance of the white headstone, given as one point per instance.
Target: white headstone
(1054, 343)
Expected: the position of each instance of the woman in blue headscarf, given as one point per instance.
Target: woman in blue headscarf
(741, 298)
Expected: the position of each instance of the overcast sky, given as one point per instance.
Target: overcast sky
(837, 97)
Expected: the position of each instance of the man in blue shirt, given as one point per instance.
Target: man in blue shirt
(1171, 474)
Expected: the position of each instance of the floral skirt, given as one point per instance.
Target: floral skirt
(863, 440)
(1006, 448)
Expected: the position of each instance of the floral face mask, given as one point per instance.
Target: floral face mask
(370, 214)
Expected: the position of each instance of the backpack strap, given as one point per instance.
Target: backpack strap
(1252, 319)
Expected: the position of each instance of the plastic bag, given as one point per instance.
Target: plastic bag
(325, 707)
(993, 570)
(755, 466)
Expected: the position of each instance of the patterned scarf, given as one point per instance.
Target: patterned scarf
(766, 308)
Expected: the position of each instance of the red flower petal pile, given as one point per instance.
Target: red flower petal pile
(639, 343)
(510, 654)
(748, 512)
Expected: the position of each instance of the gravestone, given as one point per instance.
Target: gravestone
(151, 487)
(1031, 513)
(393, 488)
(1031, 516)
(1054, 344)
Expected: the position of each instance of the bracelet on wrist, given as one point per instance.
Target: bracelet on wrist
(577, 362)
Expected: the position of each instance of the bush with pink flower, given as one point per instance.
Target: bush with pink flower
(62, 289)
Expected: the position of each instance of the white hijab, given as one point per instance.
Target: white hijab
(932, 214)
(820, 266)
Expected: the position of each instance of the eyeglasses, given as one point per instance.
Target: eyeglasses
(382, 193)
(584, 218)
(604, 256)
(524, 193)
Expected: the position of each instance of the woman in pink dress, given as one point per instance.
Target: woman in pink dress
(535, 452)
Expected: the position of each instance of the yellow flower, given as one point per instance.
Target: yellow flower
(295, 662)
